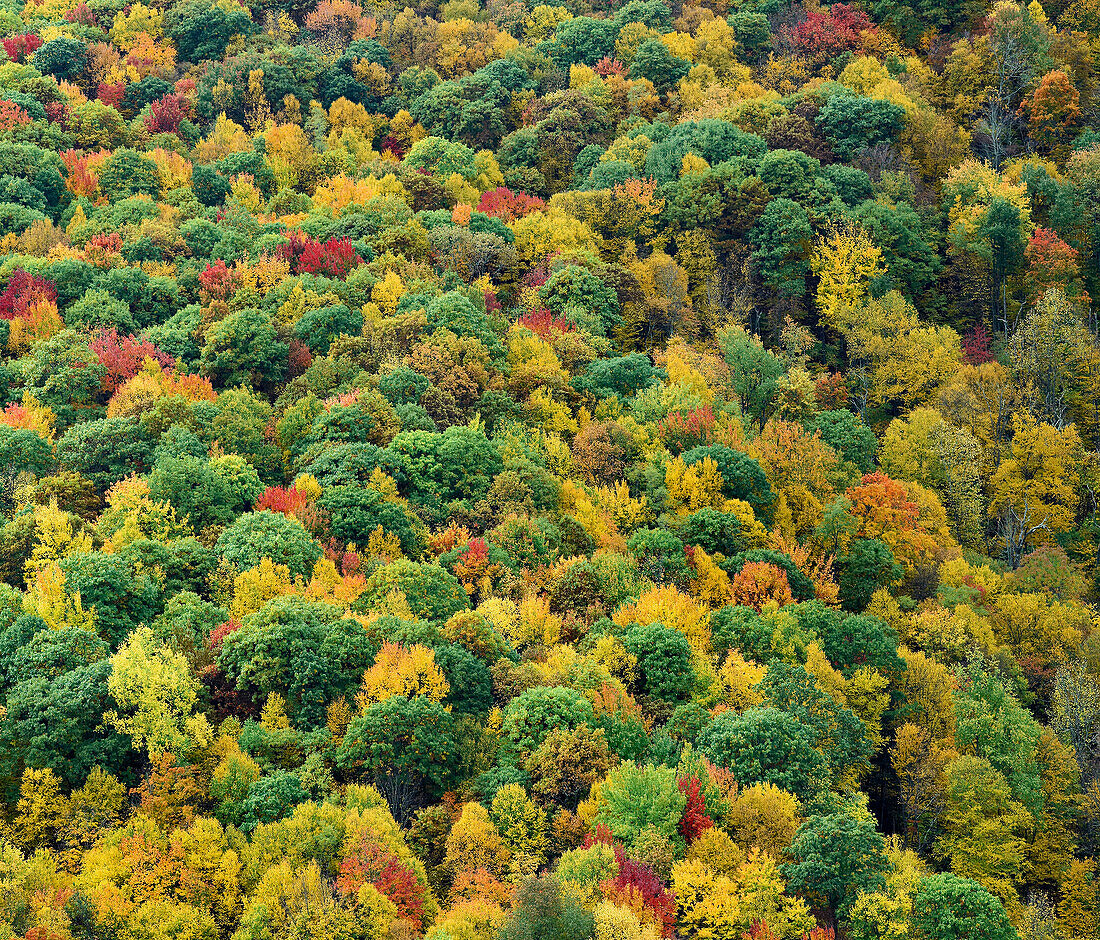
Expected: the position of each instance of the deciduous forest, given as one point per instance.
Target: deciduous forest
(491, 471)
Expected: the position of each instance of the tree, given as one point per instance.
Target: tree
(400, 671)
(128, 172)
(838, 733)
(534, 714)
(202, 30)
(835, 859)
(653, 61)
(270, 799)
(864, 568)
(766, 745)
(298, 648)
(156, 696)
(781, 239)
(544, 912)
(982, 827)
(205, 492)
(742, 477)
(664, 660)
(993, 724)
(946, 907)
(1035, 489)
(846, 261)
(845, 433)
(258, 535)
(408, 747)
(431, 592)
(714, 140)
(564, 766)
(638, 797)
(1053, 110)
(56, 722)
(105, 450)
(354, 513)
(852, 122)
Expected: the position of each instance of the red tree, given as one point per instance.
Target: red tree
(123, 356)
(1053, 263)
(21, 291)
(20, 47)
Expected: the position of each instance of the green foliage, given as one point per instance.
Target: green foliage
(301, 649)
(946, 907)
(402, 745)
(265, 534)
(664, 660)
(835, 859)
(766, 745)
(636, 798)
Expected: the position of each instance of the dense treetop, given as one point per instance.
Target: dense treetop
(506, 472)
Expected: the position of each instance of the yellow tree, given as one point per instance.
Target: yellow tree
(845, 261)
(1036, 488)
(156, 695)
(401, 671)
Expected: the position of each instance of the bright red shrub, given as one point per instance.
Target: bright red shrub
(975, 344)
(20, 48)
(11, 115)
(218, 280)
(82, 14)
(695, 820)
(634, 877)
(280, 499)
(299, 358)
(686, 429)
(825, 34)
(543, 323)
(167, 113)
(219, 633)
(608, 66)
(334, 258)
(111, 94)
(123, 356)
(22, 290)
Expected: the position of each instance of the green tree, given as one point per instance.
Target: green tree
(946, 907)
(766, 745)
(845, 433)
(653, 60)
(265, 534)
(532, 715)
(664, 660)
(128, 172)
(244, 348)
(781, 247)
(270, 799)
(205, 492)
(431, 592)
(838, 732)
(637, 797)
(409, 749)
(852, 122)
(353, 513)
(836, 858)
(105, 450)
(302, 650)
(202, 29)
(864, 568)
(543, 911)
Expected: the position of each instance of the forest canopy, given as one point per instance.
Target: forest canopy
(506, 471)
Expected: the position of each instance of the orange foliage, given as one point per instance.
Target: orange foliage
(760, 583)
